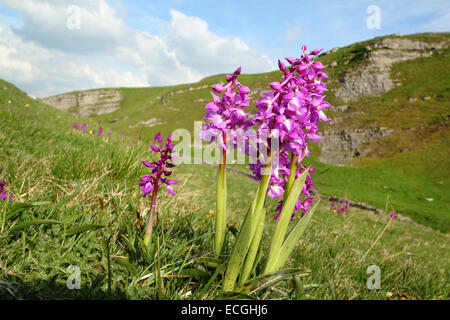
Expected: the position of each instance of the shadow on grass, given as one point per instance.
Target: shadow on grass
(52, 289)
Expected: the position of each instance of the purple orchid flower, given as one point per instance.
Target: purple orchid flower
(293, 109)
(341, 207)
(159, 176)
(78, 126)
(227, 112)
(393, 215)
(160, 168)
(3, 194)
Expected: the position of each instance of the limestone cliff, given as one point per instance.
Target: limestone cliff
(87, 103)
(370, 77)
(374, 76)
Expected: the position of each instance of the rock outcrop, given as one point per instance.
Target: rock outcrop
(373, 76)
(407, 44)
(370, 76)
(343, 145)
(87, 103)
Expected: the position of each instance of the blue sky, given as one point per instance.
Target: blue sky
(144, 43)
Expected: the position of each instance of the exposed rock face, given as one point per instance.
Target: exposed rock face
(86, 103)
(374, 77)
(344, 145)
(370, 77)
(407, 44)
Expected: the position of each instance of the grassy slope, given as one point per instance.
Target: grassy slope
(408, 166)
(412, 164)
(91, 179)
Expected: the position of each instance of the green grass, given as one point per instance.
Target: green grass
(406, 193)
(85, 180)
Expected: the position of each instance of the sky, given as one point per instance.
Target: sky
(49, 47)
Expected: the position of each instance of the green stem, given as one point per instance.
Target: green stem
(247, 234)
(221, 205)
(283, 221)
(291, 179)
(149, 229)
(250, 260)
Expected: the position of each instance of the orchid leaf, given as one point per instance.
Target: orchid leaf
(253, 250)
(239, 253)
(221, 210)
(283, 221)
(246, 235)
(255, 284)
(293, 237)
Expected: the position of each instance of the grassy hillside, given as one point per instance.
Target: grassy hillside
(408, 166)
(72, 179)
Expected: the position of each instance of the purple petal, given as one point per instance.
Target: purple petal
(317, 51)
(290, 60)
(212, 106)
(148, 164)
(315, 137)
(147, 188)
(275, 85)
(158, 138)
(281, 65)
(154, 148)
(218, 88)
(244, 90)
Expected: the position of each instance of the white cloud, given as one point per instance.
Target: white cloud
(43, 72)
(293, 33)
(44, 57)
(54, 24)
(151, 56)
(196, 46)
(13, 64)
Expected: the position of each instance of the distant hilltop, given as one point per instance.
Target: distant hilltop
(394, 72)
